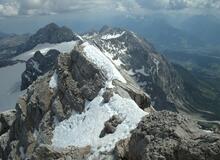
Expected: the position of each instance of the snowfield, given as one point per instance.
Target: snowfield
(112, 36)
(64, 47)
(84, 129)
(53, 81)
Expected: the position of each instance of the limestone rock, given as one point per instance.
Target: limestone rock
(169, 136)
(111, 125)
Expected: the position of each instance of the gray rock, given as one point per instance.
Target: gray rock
(37, 66)
(111, 125)
(107, 95)
(169, 136)
(6, 120)
(121, 149)
(72, 153)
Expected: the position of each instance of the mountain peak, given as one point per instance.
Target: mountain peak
(105, 28)
(51, 33)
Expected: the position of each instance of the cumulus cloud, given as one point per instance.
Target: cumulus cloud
(9, 9)
(35, 7)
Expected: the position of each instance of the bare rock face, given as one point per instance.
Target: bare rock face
(48, 152)
(6, 120)
(169, 136)
(38, 65)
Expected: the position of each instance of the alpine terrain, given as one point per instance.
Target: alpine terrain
(104, 94)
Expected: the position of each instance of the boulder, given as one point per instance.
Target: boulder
(111, 125)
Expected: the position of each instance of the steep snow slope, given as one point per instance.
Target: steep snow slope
(103, 62)
(84, 129)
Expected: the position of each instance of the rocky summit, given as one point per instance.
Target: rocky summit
(169, 136)
(102, 100)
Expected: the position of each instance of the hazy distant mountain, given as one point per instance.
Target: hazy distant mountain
(206, 28)
(165, 36)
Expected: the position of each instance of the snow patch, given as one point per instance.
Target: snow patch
(130, 72)
(53, 81)
(36, 66)
(103, 62)
(112, 36)
(84, 129)
(22, 154)
(142, 71)
(80, 38)
(208, 131)
(156, 62)
(89, 36)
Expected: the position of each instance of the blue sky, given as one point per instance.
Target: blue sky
(27, 15)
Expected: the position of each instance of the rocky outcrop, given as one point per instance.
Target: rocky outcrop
(48, 152)
(111, 125)
(169, 136)
(6, 120)
(38, 65)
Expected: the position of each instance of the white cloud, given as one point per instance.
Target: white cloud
(9, 9)
(129, 7)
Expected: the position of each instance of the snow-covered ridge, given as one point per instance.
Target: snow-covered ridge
(112, 36)
(104, 63)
